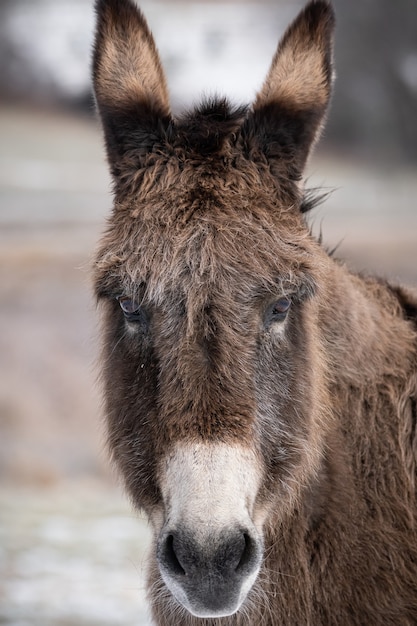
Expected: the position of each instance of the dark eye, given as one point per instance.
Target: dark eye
(132, 310)
(279, 310)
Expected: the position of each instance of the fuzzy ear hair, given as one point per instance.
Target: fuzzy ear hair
(129, 81)
(289, 111)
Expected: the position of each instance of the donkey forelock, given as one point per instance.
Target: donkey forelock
(192, 210)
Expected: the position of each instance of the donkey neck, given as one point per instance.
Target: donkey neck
(365, 337)
(371, 353)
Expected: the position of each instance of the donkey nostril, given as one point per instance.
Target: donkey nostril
(170, 557)
(232, 556)
(248, 553)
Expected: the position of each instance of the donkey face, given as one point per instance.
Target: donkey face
(209, 280)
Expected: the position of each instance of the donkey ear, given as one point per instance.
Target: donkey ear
(290, 108)
(129, 82)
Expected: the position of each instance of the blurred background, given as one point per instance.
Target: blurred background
(71, 549)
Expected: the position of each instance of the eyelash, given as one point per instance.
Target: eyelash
(132, 310)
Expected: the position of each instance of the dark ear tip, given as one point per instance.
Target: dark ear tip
(110, 4)
(101, 6)
(320, 7)
(115, 8)
(320, 12)
(315, 22)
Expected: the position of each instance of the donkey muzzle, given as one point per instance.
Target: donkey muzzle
(211, 573)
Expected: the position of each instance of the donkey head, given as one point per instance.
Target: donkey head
(210, 285)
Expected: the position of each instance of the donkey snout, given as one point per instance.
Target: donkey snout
(209, 576)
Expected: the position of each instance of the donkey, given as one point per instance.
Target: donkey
(261, 399)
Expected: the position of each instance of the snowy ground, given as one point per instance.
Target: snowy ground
(70, 556)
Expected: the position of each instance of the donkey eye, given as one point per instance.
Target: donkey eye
(279, 310)
(131, 309)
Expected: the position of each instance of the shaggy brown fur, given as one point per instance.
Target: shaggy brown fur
(207, 234)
